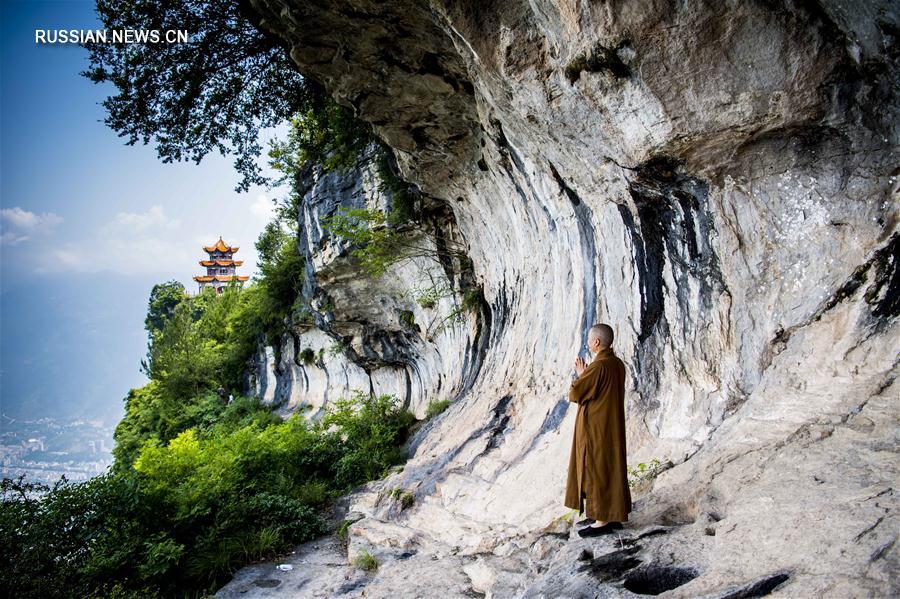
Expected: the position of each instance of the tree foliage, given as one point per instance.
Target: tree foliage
(321, 132)
(214, 93)
(163, 299)
(281, 267)
(200, 346)
(218, 91)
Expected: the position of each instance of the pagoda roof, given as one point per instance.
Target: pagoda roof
(220, 246)
(219, 278)
(221, 262)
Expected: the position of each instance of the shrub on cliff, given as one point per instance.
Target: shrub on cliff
(200, 346)
(195, 508)
(281, 273)
(322, 132)
(369, 431)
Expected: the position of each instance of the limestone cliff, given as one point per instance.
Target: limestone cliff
(370, 334)
(718, 181)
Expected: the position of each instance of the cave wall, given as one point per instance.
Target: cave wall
(717, 181)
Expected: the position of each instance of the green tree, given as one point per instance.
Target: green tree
(215, 92)
(164, 298)
(281, 267)
(322, 132)
(371, 429)
(72, 539)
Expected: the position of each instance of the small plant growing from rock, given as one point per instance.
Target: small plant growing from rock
(365, 561)
(407, 319)
(435, 407)
(302, 315)
(470, 303)
(562, 523)
(405, 498)
(428, 297)
(327, 305)
(342, 531)
(644, 472)
(308, 356)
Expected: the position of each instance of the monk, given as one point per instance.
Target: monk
(598, 478)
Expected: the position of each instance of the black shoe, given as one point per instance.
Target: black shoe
(596, 531)
(585, 522)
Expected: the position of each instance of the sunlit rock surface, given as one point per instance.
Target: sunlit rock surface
(718, 182)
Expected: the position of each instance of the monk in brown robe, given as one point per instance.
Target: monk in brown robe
(598, 477)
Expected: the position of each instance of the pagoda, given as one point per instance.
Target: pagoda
(219, 267)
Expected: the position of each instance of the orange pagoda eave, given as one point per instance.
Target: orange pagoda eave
(221, 262)
(220, 246)
(220, 278)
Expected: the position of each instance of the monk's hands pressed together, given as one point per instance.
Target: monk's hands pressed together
(580, 365)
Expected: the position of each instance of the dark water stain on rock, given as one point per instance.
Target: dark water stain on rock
(653, 580)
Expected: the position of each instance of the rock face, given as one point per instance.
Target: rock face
(717, 181)
(371, 334)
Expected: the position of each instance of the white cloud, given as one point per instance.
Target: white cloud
(151, 241)
(263, 208)
(122, 254)
(130, 242)
(20, 225)
(10, 238)
(138, 222)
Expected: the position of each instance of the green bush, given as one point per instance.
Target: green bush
(72, 539)
(369, 431)
(435, 407)
(322, 132)
(193, 509)
(407, 319)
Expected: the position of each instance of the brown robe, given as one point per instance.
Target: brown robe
(598, 476)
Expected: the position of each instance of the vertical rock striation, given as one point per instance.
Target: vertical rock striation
(718, 181)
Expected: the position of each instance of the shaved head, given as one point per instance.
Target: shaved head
(603, 333)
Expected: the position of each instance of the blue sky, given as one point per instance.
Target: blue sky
(89, 224)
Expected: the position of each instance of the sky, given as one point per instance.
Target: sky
(89, 224)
